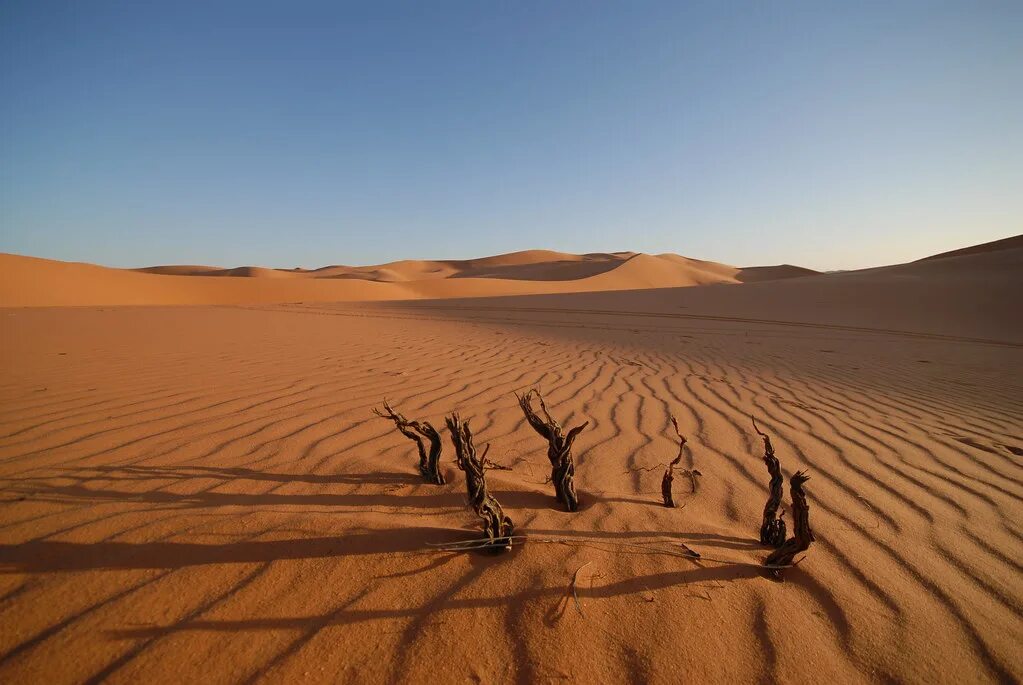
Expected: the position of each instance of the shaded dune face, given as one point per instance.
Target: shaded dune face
(557, 270)
(1013, 243)
(756, 274)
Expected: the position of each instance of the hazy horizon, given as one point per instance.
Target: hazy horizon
(442, 258)
(268, 134)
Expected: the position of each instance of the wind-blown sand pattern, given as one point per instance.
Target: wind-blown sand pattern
(203, 493)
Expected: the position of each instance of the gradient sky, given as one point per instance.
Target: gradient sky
(830, 135)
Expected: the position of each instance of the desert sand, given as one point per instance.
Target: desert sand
(203, 494)
(27, 281)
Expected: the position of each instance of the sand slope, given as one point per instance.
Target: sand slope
(974, 295)
(27, 281)
(202, 494)
(1004, 244)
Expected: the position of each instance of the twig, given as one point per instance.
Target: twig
(644, 469)
(470, 544)
(575, 577)
(669, 473)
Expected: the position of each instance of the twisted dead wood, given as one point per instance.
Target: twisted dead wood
(772, 530)
(669, 473)
(802, 534)
(496, 525)
(559, 448)
(417, 431)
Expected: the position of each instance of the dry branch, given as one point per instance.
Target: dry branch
(496, 526)
(802, 534)
(669, 473)
(429, 461)
(772, 530)
(559, 448)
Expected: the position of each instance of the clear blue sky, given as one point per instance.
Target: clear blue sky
(831, 135)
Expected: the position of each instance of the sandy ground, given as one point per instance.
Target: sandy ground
(203, 494)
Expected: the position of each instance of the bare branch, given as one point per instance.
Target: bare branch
(416, 431)
(802, 533)
(669, 473)
(496, 525)
(559, 448)
(772, 529)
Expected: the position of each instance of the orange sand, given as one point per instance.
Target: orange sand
(27, 281)
(201, 494)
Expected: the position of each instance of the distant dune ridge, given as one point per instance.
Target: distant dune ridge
(29, 281)
(527, 265)
(1013, 243)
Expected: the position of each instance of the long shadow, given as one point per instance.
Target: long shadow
(768, 652)
(452, 498)
(425, 614)
(629, 586)
(47, 556)
(200, 500)
(144, 473)
(825, 599)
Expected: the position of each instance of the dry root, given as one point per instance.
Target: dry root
(802, 534)
(559, 450)
(417, 431)
(772, 530)
(496, 526)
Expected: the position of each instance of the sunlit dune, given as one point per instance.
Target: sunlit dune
(29, 281)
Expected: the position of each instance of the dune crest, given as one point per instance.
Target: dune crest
(1011, 243)
(30, 281)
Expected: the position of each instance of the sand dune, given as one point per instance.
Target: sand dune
(531, 265)
(182, 270)
(27, 281)
(203, 494)
(755, 274)
(975, 295)
(540, 265)
(993, 246)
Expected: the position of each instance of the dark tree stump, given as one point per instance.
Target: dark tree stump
(666, 488)
(496, 525)
(772, 530)
(559, 448)
(417, 431)
(802, 534)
